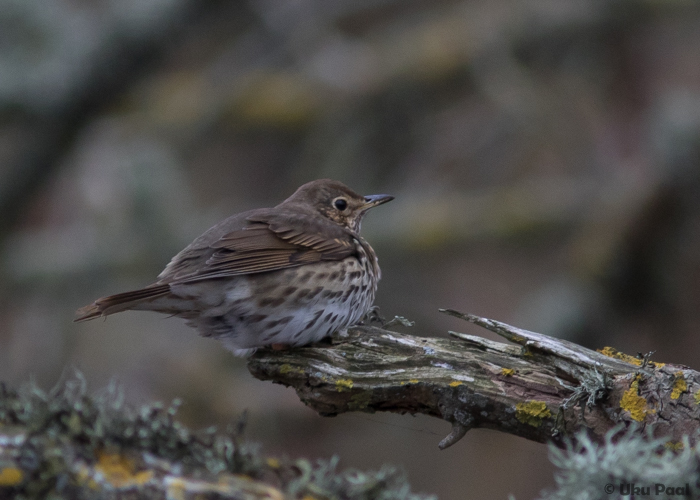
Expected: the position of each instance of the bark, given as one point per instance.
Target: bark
(542, 388)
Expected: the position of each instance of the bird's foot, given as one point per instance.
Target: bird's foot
(372, 316)
(398, 320)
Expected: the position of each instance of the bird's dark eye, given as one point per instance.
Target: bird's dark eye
(341, 204)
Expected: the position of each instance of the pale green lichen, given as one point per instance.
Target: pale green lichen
(106, 439)
(360, 401)
(589, 469)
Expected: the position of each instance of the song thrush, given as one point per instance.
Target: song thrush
(288, 275)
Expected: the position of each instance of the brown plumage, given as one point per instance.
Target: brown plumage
(291, 274)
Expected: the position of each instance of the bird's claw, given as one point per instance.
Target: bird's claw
(373, 316)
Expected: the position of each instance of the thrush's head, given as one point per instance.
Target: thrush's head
(337, 202)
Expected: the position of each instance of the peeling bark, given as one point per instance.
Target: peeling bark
(541, 389)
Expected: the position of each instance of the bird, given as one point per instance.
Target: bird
(278, 277)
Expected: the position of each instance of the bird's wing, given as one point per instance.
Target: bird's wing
(330, 240)
(266, 242)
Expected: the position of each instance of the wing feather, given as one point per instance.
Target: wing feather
(264, 244)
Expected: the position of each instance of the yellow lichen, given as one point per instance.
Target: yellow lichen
(532, 412)
(635, 404)
(456, 383)
(679, 385)
(674, 445)
(11, 476)
(120, 471)
(413, 381)
(175, 489)
(508, 372)
(343, 384)
(697, 397)
(286, 369)
(273, 463)
(611, 352)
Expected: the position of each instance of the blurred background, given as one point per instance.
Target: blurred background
(544, 155)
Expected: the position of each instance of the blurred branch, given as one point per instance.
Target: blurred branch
(121, 60)
(542, 389)
(66, 444)
(117, 476)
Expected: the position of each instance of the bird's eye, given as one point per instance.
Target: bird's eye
(341, 204)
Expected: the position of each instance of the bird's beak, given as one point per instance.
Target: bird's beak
(376, 199)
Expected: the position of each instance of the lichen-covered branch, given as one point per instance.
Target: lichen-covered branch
(542, 388)
(67, 444)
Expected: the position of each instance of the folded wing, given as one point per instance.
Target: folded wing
(265, 242)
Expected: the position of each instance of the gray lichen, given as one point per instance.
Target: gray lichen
(66, 444)
(590, 470)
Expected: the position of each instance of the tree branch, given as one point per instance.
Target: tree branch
(65, 443)
(121, 58)
(541, 389)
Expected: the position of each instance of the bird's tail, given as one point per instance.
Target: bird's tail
(120, 302)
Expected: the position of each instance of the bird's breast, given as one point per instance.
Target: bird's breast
(368, 260)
